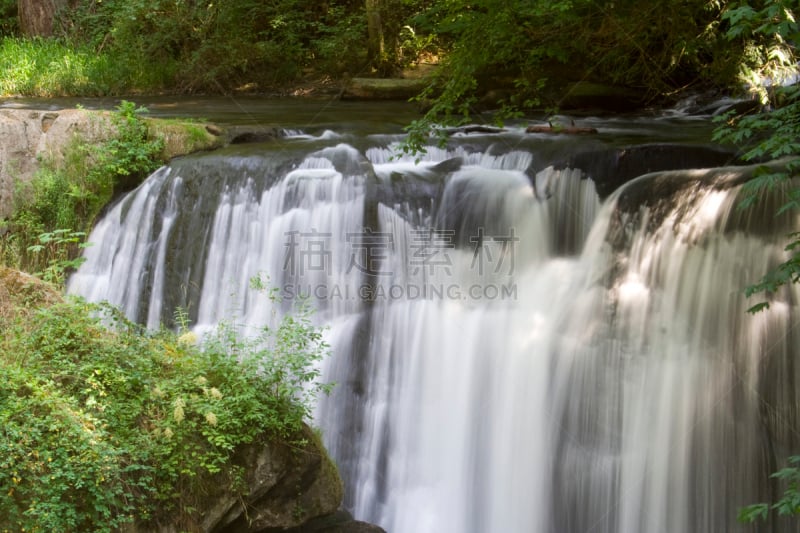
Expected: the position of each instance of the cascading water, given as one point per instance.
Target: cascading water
(510, 355)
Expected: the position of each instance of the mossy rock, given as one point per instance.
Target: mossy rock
(185, 137)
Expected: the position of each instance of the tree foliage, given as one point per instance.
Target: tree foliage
(9, 23)
(218, 46)
(770, 33)
(539, 47)
(654, 47)
(789, 502)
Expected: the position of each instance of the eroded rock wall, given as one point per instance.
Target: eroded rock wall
(28, 136)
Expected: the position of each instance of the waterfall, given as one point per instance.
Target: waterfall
(511, 352)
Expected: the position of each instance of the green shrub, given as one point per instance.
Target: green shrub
(8, 18)
(99, 426)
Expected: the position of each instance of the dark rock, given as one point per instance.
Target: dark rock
(338, 522)
(354, 526)
(474, 128)
(661, 192)
(449, 165)
(588, 95)
(287, 487)
(610, 168)
(246, 137)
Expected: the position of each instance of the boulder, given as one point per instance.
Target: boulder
(338, 522)
(287, 486)
(589, 95)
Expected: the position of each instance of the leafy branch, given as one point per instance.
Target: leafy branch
(773, 134)
(788, 505)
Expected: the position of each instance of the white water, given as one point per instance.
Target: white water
(529, 389)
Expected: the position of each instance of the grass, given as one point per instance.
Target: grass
(50, 68)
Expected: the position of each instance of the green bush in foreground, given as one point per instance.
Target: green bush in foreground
(100, 426)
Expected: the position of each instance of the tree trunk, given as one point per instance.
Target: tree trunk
(383, 29)
(375, 44)
(36, 16)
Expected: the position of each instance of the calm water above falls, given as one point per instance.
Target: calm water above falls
(513, 353)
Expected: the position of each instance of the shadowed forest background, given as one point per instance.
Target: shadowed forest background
(528, 48)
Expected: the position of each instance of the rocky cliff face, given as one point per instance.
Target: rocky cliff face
(27, 137)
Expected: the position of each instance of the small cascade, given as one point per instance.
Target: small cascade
(241, 218)
(510, 353)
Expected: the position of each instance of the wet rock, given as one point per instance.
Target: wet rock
(610, 168)
(247, 137)
(338, 522)
(287, 487)
(474, 128)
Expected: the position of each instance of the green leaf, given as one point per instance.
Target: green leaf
(752, 513)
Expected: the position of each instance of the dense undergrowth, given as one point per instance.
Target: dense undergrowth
(126, 47)
(102, 423)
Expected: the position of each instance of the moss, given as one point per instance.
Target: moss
(184, 137)
(328, 469)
